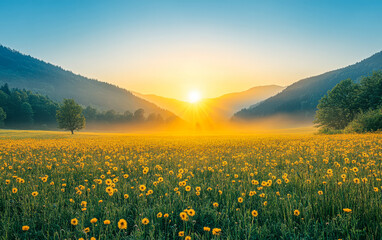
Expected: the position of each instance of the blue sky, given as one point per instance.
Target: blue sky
(212, 46)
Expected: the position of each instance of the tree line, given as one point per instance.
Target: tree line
(352, 107)
(20, 108)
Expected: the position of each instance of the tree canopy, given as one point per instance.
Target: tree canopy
(70, 117)
(347, 101)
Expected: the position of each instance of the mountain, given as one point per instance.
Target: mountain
(301, 98)
(25, 72)
(212, 109)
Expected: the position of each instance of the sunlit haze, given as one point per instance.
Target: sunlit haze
(194, 96)
(155, 47)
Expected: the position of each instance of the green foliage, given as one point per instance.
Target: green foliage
(370, 95)
(3, 116)
(70, 117)
(369, 121)
(339, 106)
(25, 108)
(352, 106)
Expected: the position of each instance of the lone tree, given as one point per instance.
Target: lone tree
(69, 116)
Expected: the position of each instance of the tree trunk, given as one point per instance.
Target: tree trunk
(72, 131)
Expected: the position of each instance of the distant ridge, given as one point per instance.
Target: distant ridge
(219, 108)
(23, 71)
(301, 98)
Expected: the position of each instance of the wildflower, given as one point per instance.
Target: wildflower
(145, 221)
(25, 228)
(191, 212)
(126, 196)
(215, 204)
(216, 231)
(181, 233)
(240, 199)
(187, 238)
(296, 212)
(142, 188)
(34, 194)
(74, 221)
(320, 193)
(93, 220)
(207, 229)
(106, 222)
(122, 224)
(347, 210)
(159, 215)
(86, 230)
(183, 216)
(14, 190)
(254, 213)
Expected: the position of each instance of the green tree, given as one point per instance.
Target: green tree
(139, 115)
(370, 94)
(26, 113)
(339, 107)
(3, 116)
(69, 116)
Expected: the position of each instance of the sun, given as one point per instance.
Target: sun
(194, 96)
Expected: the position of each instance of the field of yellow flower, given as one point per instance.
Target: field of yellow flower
(58, 186)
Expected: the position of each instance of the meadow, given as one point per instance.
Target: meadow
(115, 186)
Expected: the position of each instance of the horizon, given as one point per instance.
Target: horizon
(214, 47)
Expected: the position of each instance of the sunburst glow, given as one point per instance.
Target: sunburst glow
(194, 96)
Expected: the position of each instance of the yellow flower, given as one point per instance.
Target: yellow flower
(207, 229)
(83, 204)
(122, 224)
(296, 212)
(74, 221)
(356, 180)
(254, 213)
(126, 196)
(216, 231)
(166, 215)
(181, 234)
(183, 216)
(320, 193)
(187, 238)
(188, 188)
(159, 215)
(14, 190)
(145, 221)
(86, 230)
(347, 210)
(142, 188)
(93, 220)
(34, 194)
(215, 204)
(240, 199)
(191, 212)
(106, 222)
(25, 228)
